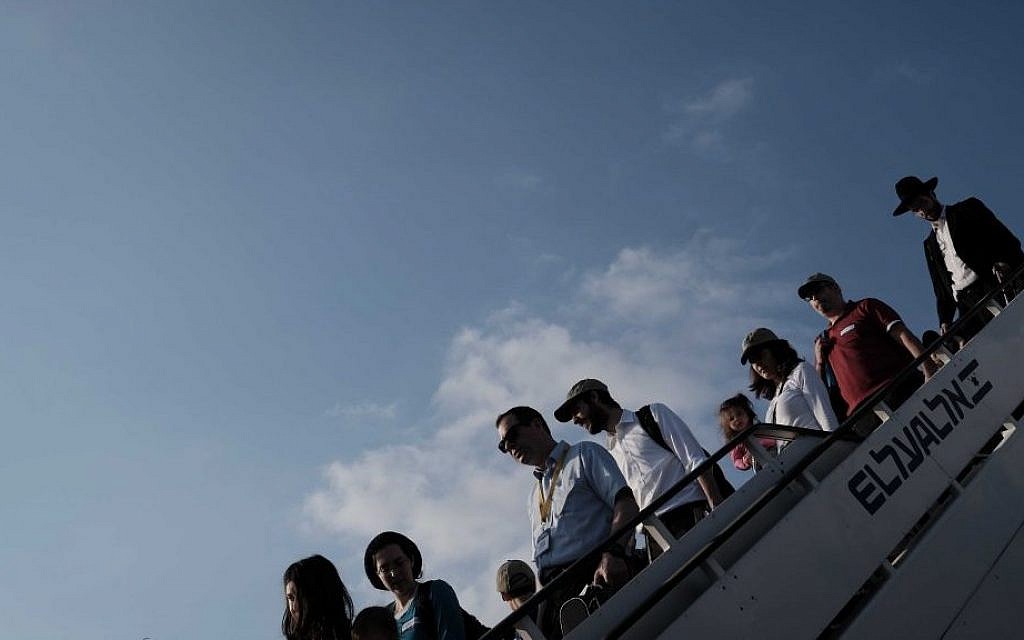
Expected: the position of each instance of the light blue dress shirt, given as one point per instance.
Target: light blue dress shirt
(583, 502)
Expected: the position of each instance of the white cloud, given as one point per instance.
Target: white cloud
(725, 100)
(708, 275)
(700, 126)
(363, 410)
(462, 501)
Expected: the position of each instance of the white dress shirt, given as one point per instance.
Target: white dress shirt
(649, 468)
(959, 272)
(802, 401)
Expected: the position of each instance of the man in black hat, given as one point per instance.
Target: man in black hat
(969, 251)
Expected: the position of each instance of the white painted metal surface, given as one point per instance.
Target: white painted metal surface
(903, 535)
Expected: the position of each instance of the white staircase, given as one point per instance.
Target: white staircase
(914, 531)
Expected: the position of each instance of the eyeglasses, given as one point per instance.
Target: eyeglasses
(511, 435)
(393, 568)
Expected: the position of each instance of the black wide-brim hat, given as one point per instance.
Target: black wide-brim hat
(909, 188)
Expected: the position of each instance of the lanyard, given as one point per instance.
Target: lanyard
(545, 502)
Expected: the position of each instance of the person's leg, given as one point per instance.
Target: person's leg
(966, 299)
(678, 521)
(548, 613)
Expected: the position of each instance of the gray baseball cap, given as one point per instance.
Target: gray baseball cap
(756, 338)
(515, 579)
(812, 280)
(564, 412)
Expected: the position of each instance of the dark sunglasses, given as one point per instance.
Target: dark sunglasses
(815, 290)
(511, 435)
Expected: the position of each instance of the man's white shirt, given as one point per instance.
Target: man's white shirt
(959, 272)
(649, 468)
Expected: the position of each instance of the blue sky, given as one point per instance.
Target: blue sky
(271, 269)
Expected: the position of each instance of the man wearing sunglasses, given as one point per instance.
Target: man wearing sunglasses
(579, 499)
(969, 251)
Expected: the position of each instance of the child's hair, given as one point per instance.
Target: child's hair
(374, 623)
(324, 605)
(739, 402)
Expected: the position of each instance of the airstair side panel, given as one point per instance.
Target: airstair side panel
(995, 609)
(800, 574)
(972, 551)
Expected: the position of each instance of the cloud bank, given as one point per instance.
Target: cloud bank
(650, 324)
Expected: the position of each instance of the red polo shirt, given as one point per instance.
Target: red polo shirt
(864, 356)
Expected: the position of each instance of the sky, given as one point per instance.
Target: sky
(271, 269)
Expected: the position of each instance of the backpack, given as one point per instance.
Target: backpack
(472, 627)
(835, 397)
(651, 428)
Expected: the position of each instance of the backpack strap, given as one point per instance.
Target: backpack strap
(650, 426)
(828, 375)
(425, 607)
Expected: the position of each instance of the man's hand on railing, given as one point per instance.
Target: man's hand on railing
(929, 368)
(612, 572)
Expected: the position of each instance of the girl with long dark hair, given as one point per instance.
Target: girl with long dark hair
(317, 604)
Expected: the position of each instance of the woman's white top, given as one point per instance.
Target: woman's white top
(802, 401)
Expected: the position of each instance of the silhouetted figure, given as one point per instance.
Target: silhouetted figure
(423, 610)
(579, 499)
(375, 623)
(516, 583)
(797, 397)
(653, 457)
(734, 415)
(866, 343)
(317, 604)
(969, 251)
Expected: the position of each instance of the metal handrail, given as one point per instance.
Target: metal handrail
(507, 625)
(798, 468)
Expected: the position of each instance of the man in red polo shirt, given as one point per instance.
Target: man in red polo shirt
(867, 343)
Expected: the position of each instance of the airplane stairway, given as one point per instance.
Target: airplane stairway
(911, 529)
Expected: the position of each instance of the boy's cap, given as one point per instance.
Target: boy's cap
(515, 579)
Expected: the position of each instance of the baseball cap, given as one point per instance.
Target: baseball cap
(813, 280)
(515, 579)
(564, 412)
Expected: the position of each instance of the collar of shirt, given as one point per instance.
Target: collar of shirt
(847, 308)
(552, 460)
(941, 220)
(628, 419)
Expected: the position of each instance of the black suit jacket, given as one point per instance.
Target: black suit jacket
(980, 240)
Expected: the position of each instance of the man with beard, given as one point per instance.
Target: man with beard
(579, 499)
(650, 464)
(969, 251)
(866, 344)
